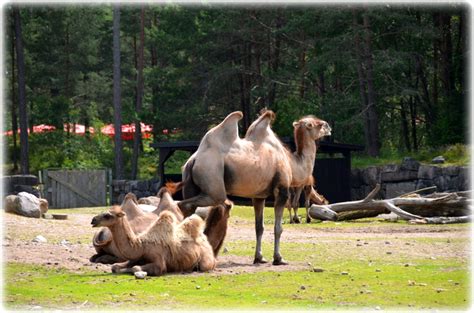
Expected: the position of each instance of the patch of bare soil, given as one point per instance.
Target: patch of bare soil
(69, 242)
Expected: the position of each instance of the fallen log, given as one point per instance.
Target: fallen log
(400, 206)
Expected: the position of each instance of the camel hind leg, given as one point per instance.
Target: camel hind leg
(259, 205)
(280, 199)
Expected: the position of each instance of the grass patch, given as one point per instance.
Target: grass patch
(362, 287)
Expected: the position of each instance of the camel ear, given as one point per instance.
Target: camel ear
(295, 124)
(120, 214)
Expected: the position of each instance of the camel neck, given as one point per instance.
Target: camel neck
(125, 239)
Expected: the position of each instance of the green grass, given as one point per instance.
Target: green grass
(375, 277)
(387, 287)
(454, 155)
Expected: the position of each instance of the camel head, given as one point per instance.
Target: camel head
(109, 218)
(313, 127)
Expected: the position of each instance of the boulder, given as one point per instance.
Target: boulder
(370, 175)
(429, 172)
(27, 205)
(450, 171)
(397, 189)
(410, 164)
(397, 176)
(438, 160)
(43, 205)
(464, 182)
(11, 204)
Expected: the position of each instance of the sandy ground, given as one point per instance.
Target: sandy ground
(69, 242)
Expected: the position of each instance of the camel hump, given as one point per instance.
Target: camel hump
(224, 134)
(130, 196)
(193, 226)
(258, 129)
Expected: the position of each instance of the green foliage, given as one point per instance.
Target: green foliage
(203, 62)
(457, 154)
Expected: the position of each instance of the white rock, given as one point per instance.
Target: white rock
(40, 238)
(140, 275)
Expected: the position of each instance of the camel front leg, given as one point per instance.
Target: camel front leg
(259, 205)
(280, 200)
(124, 267)
(152, 269)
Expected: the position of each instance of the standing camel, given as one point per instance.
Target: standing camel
(255, 167)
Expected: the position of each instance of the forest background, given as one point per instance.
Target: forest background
(389, 77)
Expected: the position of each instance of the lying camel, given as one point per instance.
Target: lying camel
(107, 251)
(256, 167)
(165, 246)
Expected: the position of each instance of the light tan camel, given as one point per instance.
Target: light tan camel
(103, 242)
(256, 167)
(165, 246)
(139, 220)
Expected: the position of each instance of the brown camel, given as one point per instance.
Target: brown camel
(311, 197)
(103, 242)
(165, 246)
(256, 167)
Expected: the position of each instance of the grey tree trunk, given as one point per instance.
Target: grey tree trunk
(13, 108)
(24, 148)
(117, 94)
(139, 100)
(373, 120)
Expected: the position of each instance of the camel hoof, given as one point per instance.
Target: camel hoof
(308, 220)
(115, 269)
(259, 261)
(280, 262)
(297, 220)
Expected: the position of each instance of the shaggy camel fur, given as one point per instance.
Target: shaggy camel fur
(256, 167)
(165, 246)
(216, 217)
(103, 242)
(139, 220)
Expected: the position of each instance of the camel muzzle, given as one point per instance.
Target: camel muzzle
(95, 222)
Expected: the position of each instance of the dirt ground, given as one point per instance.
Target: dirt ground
(69, 242)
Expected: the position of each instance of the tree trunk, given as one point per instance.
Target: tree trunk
(362, 78)
(154, 89)
(24, 148)
(446, 54)
(413, 115)
(275, 61)
(139, 99)
(405, 134)
(374, 144)
(117, 94)
(13, 100)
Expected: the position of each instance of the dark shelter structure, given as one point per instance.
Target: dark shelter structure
(332, 168)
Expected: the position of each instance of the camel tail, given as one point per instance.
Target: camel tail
(170, 187)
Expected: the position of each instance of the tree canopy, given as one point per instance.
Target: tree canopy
(382, 76)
